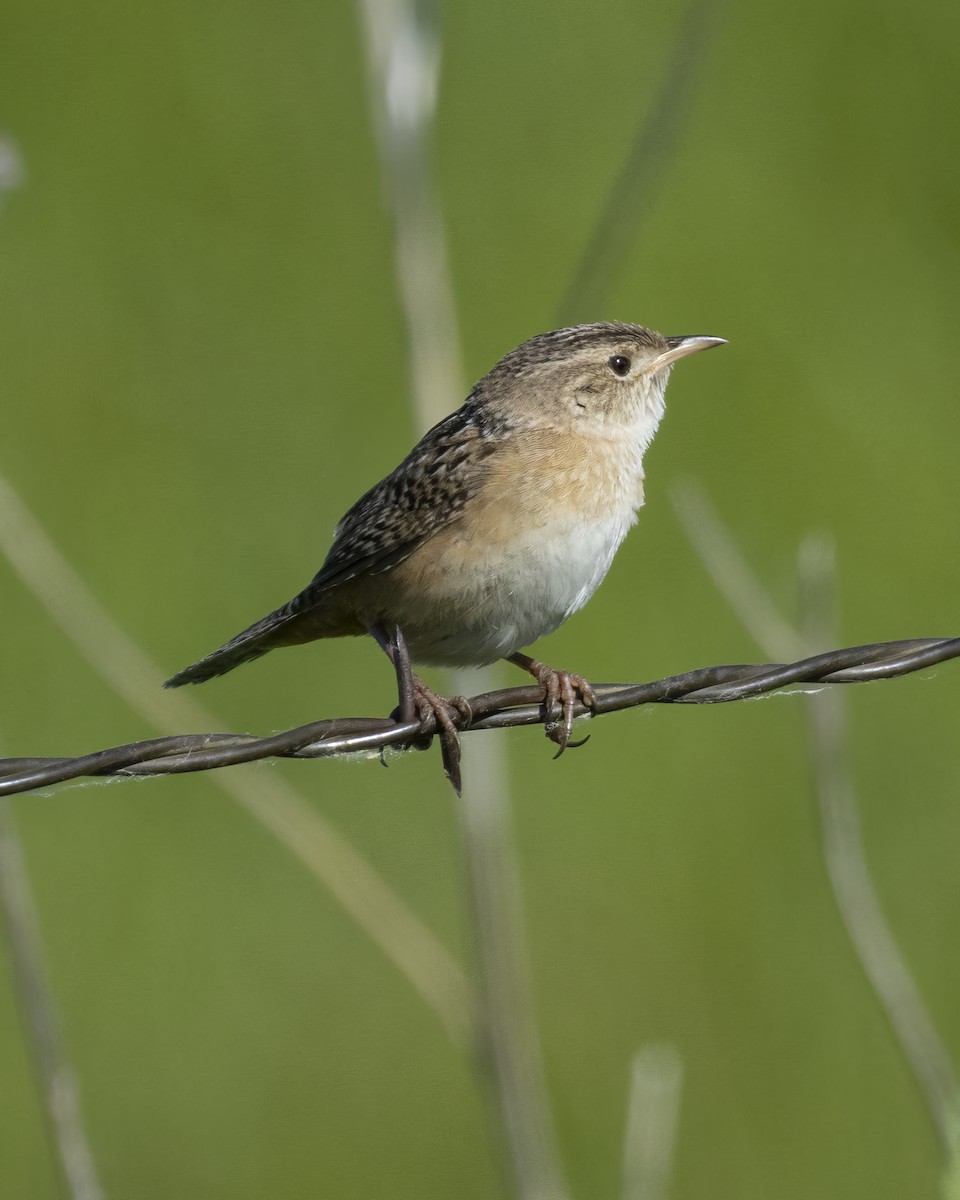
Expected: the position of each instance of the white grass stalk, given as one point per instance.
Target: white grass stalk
(58, 1085)
(403, 55)
(652, 1119)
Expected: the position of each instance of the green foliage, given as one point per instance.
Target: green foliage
(204, 364)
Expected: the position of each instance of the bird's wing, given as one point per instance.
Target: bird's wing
(423, 495)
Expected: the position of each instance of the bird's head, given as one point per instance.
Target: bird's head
(607, 378)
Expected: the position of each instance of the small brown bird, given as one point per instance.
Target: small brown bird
(499, 524)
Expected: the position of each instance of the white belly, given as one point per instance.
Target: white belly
(527, 591)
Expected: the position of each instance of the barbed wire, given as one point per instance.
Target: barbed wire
(501, 709)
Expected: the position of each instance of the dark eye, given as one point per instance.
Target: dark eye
(620, 365)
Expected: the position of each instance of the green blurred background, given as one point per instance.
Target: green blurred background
(204, 362)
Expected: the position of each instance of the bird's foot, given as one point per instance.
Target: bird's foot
(562, 690)
(429, 704)
(417, 702)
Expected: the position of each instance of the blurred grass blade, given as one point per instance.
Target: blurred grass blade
(403, 60)
(856, 897)
(734, 579)
(853, 890)
(274, 803)
(510, 1040)
(56, 1081)
(658, 139)
(403, 54)
(652, 1117)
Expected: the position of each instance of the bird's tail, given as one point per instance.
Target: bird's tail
(265, 634)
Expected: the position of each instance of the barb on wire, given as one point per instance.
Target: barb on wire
(500, 709)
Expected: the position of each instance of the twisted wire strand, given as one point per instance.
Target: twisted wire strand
(501, 709)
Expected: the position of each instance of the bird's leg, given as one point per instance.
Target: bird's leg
(559, 687)
(415, 700)
(395, 649)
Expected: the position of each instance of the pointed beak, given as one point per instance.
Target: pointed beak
(683, 344)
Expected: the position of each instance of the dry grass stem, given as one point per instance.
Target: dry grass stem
(652, 1119)
(274, 803)
(58, 1085)
(855, 895)
(403, 56)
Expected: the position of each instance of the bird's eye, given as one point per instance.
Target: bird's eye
(620, 365)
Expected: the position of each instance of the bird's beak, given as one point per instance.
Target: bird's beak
(683, 344)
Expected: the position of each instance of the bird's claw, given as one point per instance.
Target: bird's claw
(563, 690)
(429, 704)
(570, 745)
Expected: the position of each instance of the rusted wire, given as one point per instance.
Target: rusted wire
(500, 709)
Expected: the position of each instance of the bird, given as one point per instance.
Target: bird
(499, 524)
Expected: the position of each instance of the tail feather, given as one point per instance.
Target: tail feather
(262, 636)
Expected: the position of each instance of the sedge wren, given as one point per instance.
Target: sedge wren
(499, 524)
